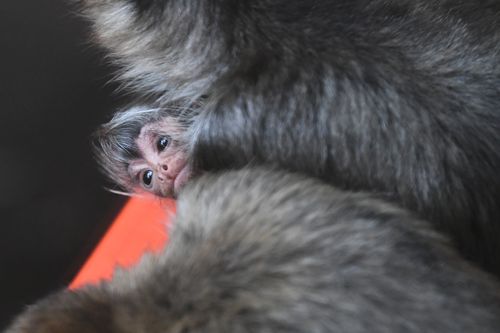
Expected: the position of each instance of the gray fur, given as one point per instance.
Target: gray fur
(400, 98)
(268, 251)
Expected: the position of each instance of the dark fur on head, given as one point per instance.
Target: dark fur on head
(262, 251)
(394, 97)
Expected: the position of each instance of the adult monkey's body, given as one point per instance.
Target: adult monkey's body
(263, 251)
(396, 97)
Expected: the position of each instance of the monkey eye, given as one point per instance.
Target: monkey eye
(147, 178)
(162, 143)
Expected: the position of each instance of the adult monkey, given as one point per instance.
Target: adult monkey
(395, 97)
(280, 252)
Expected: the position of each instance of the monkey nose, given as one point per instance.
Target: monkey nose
(162, 172)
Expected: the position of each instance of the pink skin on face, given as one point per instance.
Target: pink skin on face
(167, 166)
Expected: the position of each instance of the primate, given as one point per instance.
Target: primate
(260, 250)
(399, 98)
(144, 149)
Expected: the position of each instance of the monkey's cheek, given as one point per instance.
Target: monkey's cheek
(181, 179)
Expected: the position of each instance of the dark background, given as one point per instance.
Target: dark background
(54, 91)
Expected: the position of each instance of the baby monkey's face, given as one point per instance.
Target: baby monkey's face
(162, 169)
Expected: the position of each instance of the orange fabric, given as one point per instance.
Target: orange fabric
(140, 227)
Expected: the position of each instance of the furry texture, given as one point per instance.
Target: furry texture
(400, 98)
(268, 251)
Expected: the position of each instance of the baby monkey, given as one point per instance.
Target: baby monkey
(144, 149)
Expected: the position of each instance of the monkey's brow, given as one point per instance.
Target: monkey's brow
(135, 173)
(158, 131)
(153, 136)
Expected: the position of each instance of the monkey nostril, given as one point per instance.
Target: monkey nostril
(164, 167)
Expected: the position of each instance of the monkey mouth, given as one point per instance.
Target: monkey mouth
(181, 179)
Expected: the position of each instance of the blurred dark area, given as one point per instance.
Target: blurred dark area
(54, 91)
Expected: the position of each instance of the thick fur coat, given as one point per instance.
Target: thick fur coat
(268, 251)
(401, 98)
